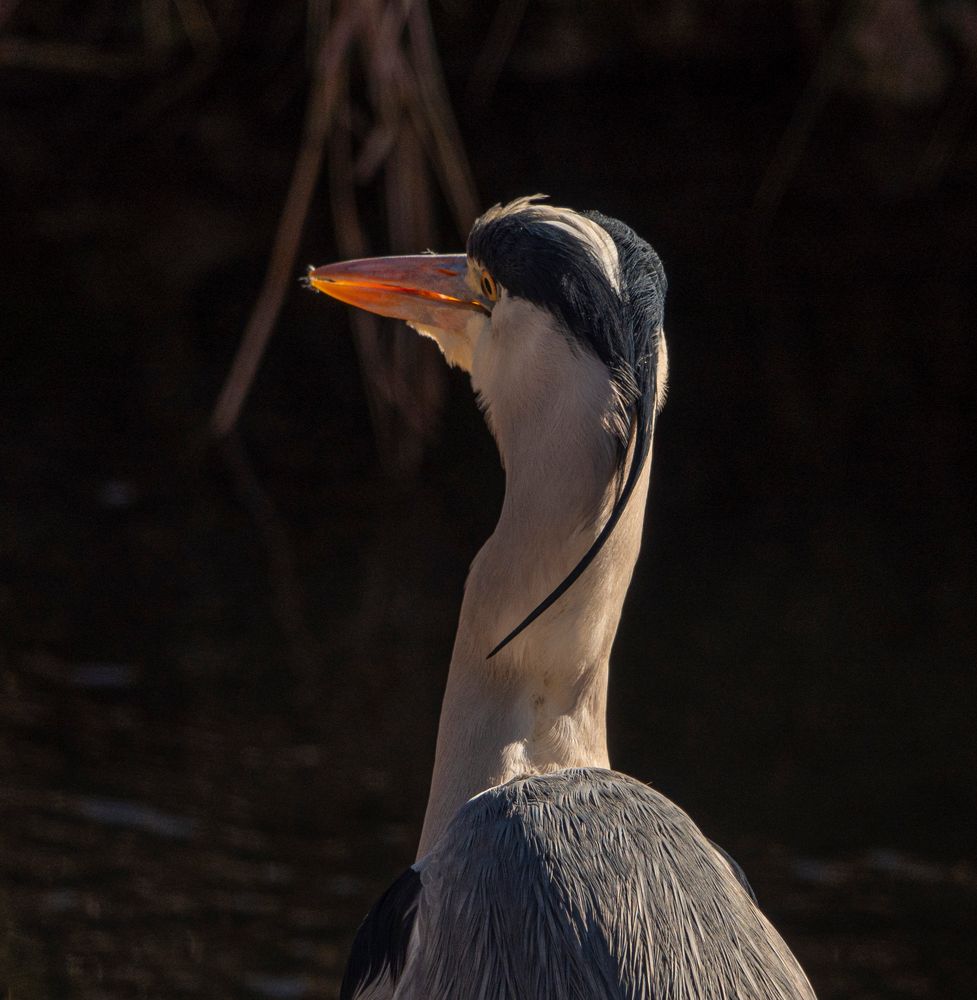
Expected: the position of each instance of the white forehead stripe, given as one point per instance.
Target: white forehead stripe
(596, 237)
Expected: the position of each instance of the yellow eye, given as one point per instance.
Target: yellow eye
(489, 288)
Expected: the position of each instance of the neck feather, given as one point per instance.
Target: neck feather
(539, 705)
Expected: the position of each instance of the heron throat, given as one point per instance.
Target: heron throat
(539, 705)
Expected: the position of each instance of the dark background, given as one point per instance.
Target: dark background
(222, 658)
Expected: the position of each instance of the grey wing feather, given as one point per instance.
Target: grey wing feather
(587, 884)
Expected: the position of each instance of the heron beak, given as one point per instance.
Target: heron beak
(425, 290)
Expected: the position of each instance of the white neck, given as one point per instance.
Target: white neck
(539, 705)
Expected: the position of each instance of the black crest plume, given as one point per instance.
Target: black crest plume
(556, 270)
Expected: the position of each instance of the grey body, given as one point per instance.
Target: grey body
(541, 873)
(580, 884)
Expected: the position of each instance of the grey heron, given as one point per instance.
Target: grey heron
(540, 872)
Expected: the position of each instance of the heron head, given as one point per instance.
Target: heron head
(551, 311)
(586, 277)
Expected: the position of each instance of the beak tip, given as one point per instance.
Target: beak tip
(315, 279)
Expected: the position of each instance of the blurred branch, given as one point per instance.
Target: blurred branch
(68, 57)
(960, 28)
(950, 128)
(160, 38)
(198, 25)
(410, 126)
(328, 79)
(498, 44)
(316, 21)
(449, 157)
(7, 8)
(806, 112)
(157, 25)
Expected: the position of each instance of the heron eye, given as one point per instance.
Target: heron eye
(489, 288)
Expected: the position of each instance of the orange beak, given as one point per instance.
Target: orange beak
(425, 290)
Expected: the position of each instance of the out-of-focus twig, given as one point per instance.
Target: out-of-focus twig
(950, 128)
(157, 25)
(205, 41)
(162, 37)
(68, 57)
(806, 112)
(7, 8)
(401, 380)
(403, 128)
(198, 24)
(960, 28)
(350, 235)
(328, 79)
(449, 158)
(499, 40)
(316, 22)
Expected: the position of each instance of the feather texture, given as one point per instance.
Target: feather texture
(586, 884)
